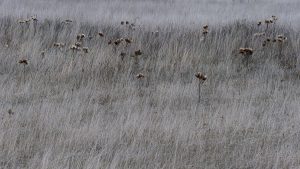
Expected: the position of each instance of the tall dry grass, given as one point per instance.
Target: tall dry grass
(88, 110)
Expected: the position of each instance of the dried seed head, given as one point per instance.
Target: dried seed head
(85, 49)
(127, 22)
(81, 36)
(127, 40)
(259, 23)
(34, 18)
(267, 21)
(100, 34)
(246, 51)
(123, 54)
(122, 22)
(10, 112)
(204, 32)
(23, 61)
(205, 27)
(140, 76)
(59, 45)
(67, 21)
(117, 42)
(281, 38)
(201, 76)
(43, 53)
(138, 53)
(78, 44)
(274, 18)
(74, 47)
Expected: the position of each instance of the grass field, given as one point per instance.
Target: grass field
(71, 109)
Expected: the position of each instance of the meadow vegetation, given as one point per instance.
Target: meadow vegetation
(80, 94)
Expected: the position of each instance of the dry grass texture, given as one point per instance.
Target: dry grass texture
(91, 105)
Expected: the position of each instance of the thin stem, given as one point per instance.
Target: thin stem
(199, 90)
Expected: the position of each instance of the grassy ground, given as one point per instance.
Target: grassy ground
(70, 109)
